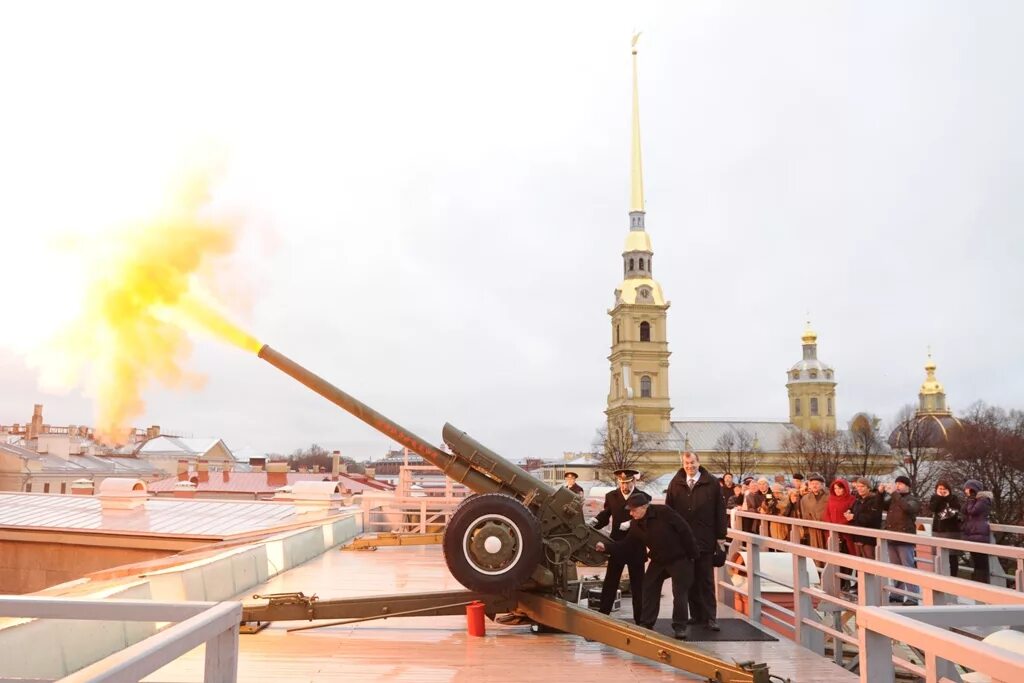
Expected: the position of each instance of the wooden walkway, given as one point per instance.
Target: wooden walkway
(430, 649)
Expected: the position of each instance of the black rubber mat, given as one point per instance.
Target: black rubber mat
(732, 630)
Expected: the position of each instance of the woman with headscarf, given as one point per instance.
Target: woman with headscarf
(946, 519)
(977, 508)
(839, 501)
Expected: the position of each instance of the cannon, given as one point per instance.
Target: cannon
(514, 545)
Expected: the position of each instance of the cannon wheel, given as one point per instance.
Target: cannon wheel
(492, 543)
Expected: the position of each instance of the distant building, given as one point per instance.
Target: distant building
(164, 452)
(22, 469)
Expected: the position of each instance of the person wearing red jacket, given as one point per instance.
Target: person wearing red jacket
(839, 502)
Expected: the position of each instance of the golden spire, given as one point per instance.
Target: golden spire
(636, 197)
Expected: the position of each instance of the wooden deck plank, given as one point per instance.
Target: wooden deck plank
(438, 648)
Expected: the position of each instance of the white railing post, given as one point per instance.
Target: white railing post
(941, 559)
(869, 591)
(222, 658)
(754, 581)
(1019, 575)
(803, 608)
(875, 657)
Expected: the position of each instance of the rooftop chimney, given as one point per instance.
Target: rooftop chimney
(182, 469)
(122, 493)
(153, 431)
(185, 489)
(35, 427)
(312, 496)
(257, 463)
(203, 469)
(335, 465)
(277, 474)
(81, 487)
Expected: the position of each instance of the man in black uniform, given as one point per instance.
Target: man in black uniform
(632, 557)
(570, 483)
(694, 494)
(672, 546)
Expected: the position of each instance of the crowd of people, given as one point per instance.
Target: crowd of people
(862, 505)
(682, 537)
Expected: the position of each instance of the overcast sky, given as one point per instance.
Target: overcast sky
(435, 201)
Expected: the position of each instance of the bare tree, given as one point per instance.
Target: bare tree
(821, 451)
(619, 448)
(919, 457)
(867, 446)
(319, 459)
(734, 451)
(989, 447)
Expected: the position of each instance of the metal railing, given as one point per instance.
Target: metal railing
(817, 613)
(925, 628)
(941, 547)
(214, 624)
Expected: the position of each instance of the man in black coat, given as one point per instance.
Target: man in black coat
(694, 494)
(672, 549)
(633, 557)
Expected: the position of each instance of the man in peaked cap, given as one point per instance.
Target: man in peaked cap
(570, 483)
(632, 556)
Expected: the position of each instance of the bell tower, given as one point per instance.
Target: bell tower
(638, 391)
(812, 388)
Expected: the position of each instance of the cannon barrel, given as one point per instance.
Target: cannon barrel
(476, 466)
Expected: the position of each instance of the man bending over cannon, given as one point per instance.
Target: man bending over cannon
(672, 549)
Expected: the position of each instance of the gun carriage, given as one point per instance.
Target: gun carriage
(514, 545)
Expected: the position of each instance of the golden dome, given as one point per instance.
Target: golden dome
(809, 335)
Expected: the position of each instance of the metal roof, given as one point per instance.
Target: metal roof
(704, 435)
(169, 516)
(81, 464)
(264, 482)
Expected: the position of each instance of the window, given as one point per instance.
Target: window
(650, 265)
(796, 406)
(814, 406)
(814, 374)
(796, 375)
(28, 487)
(617, 330)
(645, 387)
(645, 331)
(46, 487)
(631, 264)
(63, 487)
(829, 406)
(641, 264)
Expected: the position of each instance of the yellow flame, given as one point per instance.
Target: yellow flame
(145, 294)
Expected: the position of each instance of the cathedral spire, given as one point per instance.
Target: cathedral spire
(636, 195)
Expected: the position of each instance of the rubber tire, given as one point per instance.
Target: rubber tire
(465, 516)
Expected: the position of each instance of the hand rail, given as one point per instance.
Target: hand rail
(211, 623)
(878, 627)
(1009, 552)
(808, 627)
